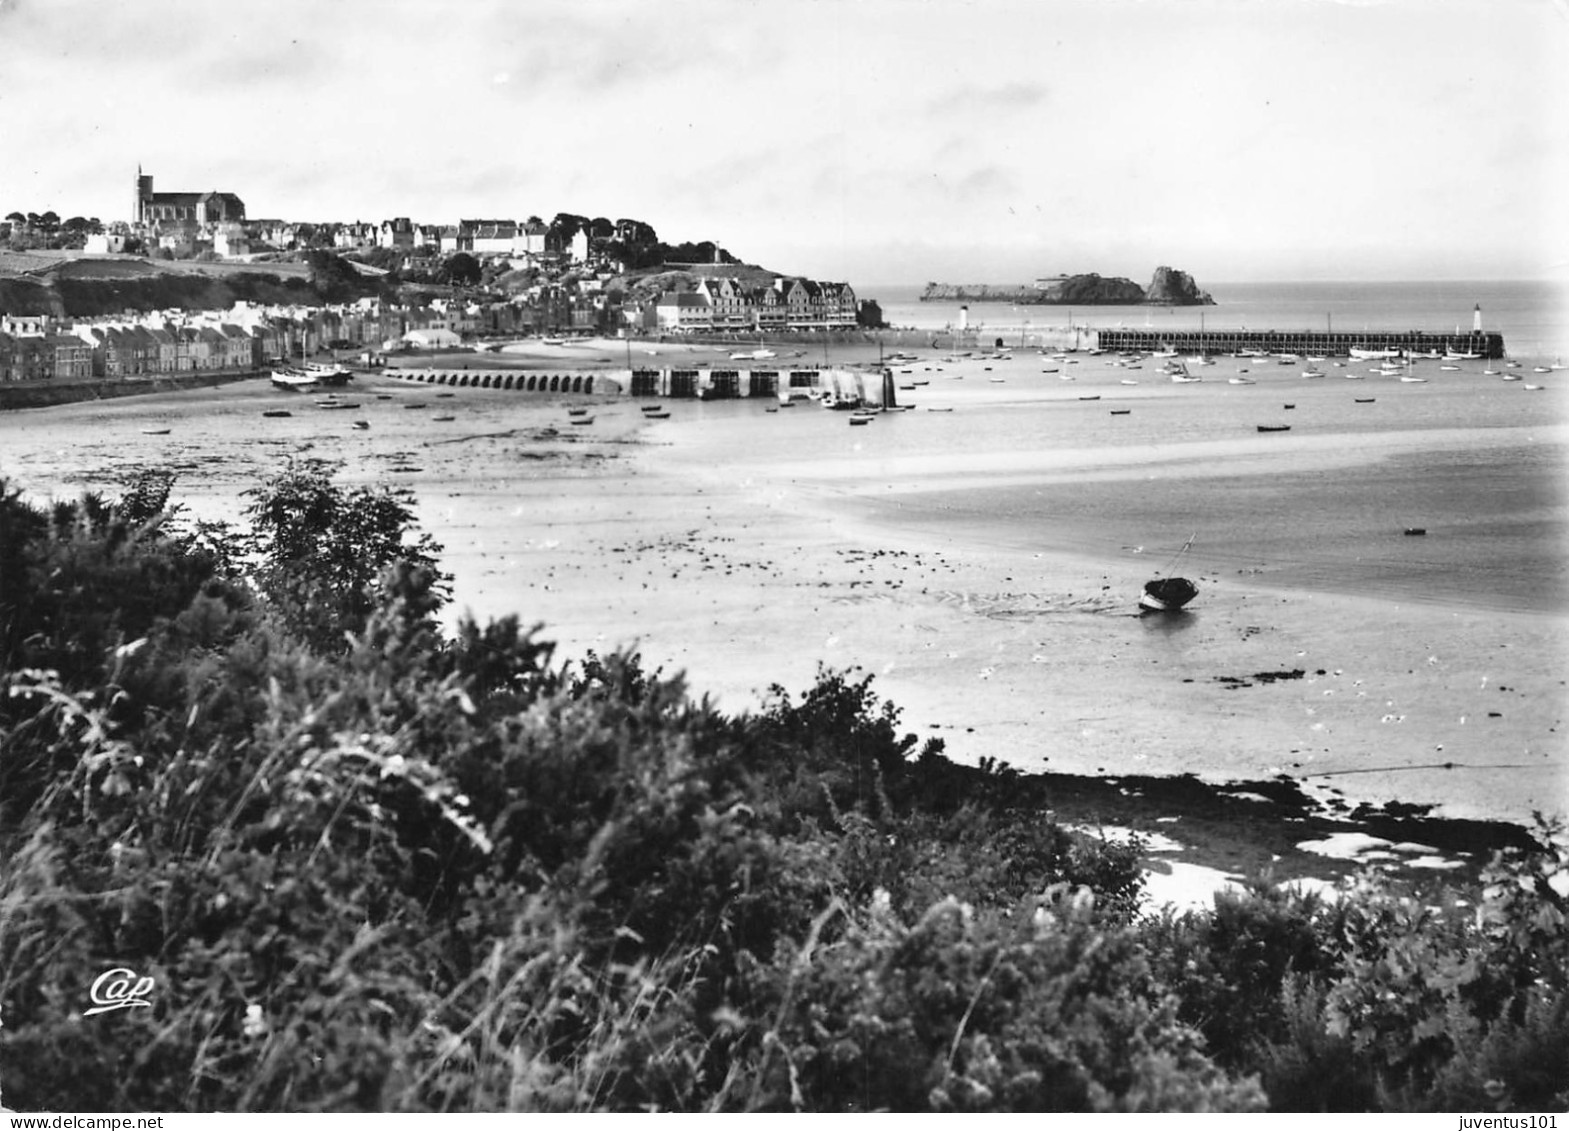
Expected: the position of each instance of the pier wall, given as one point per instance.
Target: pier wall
(696, 383)
(1488, 345)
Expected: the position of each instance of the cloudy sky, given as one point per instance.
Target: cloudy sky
(879, 141)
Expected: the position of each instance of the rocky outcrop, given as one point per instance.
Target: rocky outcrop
(1175, 288)
(1092, 290)
(1169, 287)
(978, 292)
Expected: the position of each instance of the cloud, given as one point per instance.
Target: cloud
(972, 100)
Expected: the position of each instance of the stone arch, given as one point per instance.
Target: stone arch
(555, 383)
(507, 384)
(588, 384)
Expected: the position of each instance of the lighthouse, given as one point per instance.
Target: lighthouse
(1476, 319)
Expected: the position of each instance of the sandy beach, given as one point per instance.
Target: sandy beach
(701, 542)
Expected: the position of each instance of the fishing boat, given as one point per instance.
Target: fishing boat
(293, 380)
(1166, 594)
(327, 373)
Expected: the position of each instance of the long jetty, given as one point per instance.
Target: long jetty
(700, 383)
(1485, 344)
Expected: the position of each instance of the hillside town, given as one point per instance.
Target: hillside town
(373, 288)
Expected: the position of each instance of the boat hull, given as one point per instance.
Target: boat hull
(1167, 594)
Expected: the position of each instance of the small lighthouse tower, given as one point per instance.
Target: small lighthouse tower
(1476, 319)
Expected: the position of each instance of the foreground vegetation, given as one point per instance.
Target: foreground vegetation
(369, 866)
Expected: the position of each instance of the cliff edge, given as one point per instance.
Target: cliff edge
(1175, 288)
(1169, 287)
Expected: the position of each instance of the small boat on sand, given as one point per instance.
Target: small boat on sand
(1274, 428)
(155, 431)
(1168, 594)
(275, 412)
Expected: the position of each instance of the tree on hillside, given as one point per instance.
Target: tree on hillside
(460, 270)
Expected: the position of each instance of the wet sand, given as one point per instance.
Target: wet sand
(751, 571)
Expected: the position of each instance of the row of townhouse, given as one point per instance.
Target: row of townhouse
(40, 357)
(504, 238)
(728, 305)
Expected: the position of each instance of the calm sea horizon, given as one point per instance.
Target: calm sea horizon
(1532, 315)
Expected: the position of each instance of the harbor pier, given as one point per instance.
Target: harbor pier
(1324, 343)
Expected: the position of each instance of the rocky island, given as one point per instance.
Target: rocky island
(1168, 287)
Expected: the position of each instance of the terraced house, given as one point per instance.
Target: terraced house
(727, 304)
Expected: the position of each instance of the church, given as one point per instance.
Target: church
(183, 209)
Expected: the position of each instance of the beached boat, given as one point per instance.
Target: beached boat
(155, 431)
(860, 420)
(1413, 380)
(1364, 353)
(276, 412)
(1274, 428)
(1311, 374)
(1240, 381)
(327, 373)
(293, 380)
(1121, 411)
(1454, 355)
(1166, 594)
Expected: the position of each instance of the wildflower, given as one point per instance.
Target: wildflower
(255, 1023)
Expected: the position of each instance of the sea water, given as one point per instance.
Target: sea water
(1533, 316)
(1026, 462)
